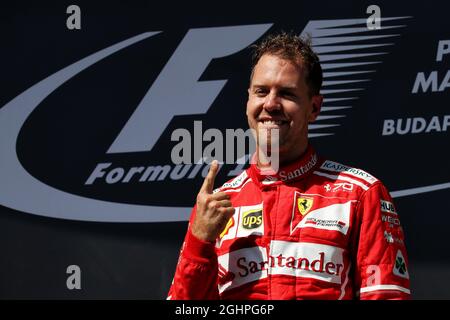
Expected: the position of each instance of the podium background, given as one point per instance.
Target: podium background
(70, 131)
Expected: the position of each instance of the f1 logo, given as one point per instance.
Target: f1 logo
(181, 74)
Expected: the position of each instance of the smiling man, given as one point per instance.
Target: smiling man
(280, 98)
(312, 228)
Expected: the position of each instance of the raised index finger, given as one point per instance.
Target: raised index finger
(208, 183)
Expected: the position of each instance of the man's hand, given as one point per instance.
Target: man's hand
(213, 210)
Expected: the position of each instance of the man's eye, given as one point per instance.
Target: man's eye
(288, 94)
(260, 91)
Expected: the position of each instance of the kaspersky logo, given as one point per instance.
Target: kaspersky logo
(20, 190)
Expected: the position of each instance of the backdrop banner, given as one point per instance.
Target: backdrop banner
(97, 98)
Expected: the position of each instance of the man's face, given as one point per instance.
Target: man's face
(278, 98)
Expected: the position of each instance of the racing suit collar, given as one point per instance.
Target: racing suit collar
(293, 171)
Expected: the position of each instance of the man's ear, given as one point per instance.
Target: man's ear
(316, 102)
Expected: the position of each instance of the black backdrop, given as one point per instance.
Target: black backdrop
(125, 236)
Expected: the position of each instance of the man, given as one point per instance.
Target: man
(315, 229)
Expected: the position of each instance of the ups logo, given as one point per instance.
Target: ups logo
(252, 219)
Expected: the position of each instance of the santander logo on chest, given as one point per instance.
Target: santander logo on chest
(320, 212)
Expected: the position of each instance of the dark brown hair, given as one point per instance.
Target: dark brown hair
(292, 47)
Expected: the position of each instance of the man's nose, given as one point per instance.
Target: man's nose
(272, 102)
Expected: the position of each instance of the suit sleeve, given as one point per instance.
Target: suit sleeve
(381, 261)
(196, 273)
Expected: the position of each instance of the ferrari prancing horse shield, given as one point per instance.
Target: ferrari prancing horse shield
(304, 205)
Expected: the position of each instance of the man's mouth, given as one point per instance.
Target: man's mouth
(277, 122)
(272, 123)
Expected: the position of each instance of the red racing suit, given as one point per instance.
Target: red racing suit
(315, 230)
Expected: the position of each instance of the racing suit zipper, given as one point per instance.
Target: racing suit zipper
(273, 216)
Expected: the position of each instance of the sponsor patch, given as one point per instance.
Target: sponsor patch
(307, 260)
(342, 186)
(391, 221)
(325, 223)
(285, 176)
(236, 182)
(387, 206)
(252, 219)
(242, 266)
(390, 238)
(400, 268)
(332, 216)
(246, 221)
(304, 204)
(297, 259)
(337, 167)
(230, 230)
(225, 231)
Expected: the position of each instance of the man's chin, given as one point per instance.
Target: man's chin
(273, 148)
